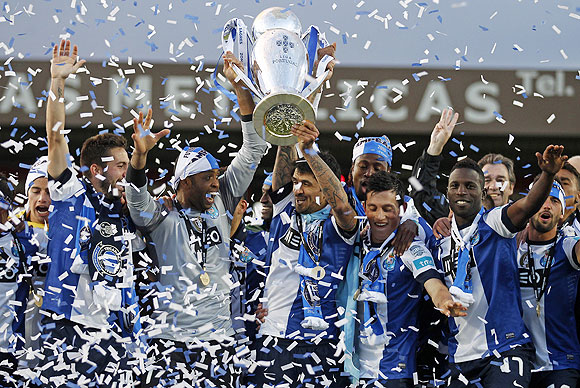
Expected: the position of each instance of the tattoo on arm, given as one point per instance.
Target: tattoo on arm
(332, 190)
(284, 166)
(59, 92)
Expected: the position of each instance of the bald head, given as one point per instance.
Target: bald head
(575, 161)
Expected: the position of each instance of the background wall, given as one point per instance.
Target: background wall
(509, 67)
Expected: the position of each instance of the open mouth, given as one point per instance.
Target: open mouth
(42, 211)
(461, 202)
(545, 216)
(300, 200)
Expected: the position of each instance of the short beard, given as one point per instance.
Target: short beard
(543, 228)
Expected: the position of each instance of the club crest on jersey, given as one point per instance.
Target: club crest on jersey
(107, 259)
(544, 260)
(213, 212)
(85, 237)
(390, 262)
(107, 230)
(197, 224)
(524, 260)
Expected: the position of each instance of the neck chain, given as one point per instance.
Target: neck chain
(201, 260)
(540, 289)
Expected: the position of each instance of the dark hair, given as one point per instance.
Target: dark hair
(97, 147)
(6, 188)
(569, 167)
(385, 181)
(326, 157)
(499, 159)
(470, 164)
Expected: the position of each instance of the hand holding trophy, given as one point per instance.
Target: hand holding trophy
(276, 63)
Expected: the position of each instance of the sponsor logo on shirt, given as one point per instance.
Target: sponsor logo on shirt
(422, 262)
(291, 239)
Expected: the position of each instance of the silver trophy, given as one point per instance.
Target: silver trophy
(276, 70)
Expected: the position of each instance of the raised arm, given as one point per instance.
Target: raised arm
(283, 166)
(145, 212)
(144, 140)
(331, 187)
(550, 163)
(320, 53)
(64, 63)
(426, 170)
(245, 100)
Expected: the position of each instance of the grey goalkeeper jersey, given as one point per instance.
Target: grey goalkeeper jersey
(187, 310)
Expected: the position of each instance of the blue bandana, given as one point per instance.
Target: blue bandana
(373, 145)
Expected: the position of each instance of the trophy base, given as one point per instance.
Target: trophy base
(275, 114)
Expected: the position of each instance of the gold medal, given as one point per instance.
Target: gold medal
(204, 278)
(538, 309)
(318, 273)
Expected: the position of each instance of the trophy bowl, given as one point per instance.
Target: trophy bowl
(275, 17)
(279, 68)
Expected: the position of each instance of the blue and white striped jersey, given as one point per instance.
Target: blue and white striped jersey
(494, 323)
(554, 331)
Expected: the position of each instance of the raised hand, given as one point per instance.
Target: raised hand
(229, 60)
(321, 52)
(306, 132)
(442, 132)
(143, 139)
(63, 62)
(552, 160)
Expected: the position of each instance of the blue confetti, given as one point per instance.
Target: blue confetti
(474, 148)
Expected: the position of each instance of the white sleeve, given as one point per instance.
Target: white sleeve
(282, 198)
(349, 240)
(569, 244)
(418, 258)
(61, 191)
(498, 220)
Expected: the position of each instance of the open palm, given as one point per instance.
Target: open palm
(64, 62)
(143, 139)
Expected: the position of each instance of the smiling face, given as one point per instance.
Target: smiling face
(307, 193)
(548, 217)
(38, 201)
(198, 191)
(497, 184)
(465, 194)
(114, 172)
(363, 167)
(382, 210)
(267, 205)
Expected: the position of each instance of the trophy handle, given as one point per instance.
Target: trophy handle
(315, 84)
(244, 78)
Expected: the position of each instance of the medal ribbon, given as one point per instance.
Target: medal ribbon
(307, 262)
(373, 292)
(201, 259)
(462, 288)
